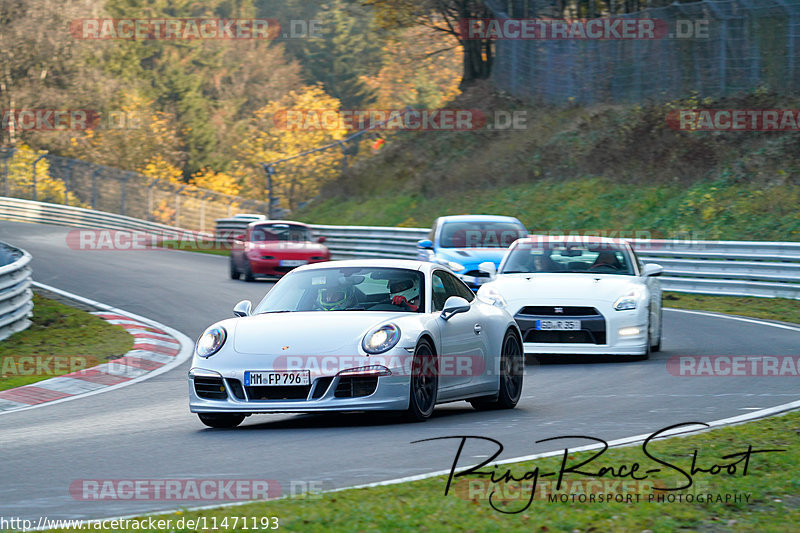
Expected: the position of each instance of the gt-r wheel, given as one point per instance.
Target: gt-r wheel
(234, 270)
(657, 346)
(220, 420)
(511, 372)
(424, 383)
(248, 272)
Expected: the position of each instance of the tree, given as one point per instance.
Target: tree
(444, 16)
(271, 139)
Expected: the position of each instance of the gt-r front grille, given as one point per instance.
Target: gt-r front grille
(476, 274)
(210, 388)
(356, 386)
(576, 337)
(549, 310)
(291, 392)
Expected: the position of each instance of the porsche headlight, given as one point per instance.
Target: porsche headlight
(381, 339)
(628, 301)
(211, 341)
(491, 295)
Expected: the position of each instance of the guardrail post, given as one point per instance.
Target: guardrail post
(68, 180)
(94, 187)
(5, 172)
(35, 162)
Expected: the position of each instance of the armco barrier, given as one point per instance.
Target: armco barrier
(768, 269)
(64, 215)
(16, 297)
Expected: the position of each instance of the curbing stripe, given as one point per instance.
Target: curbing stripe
(157, 349)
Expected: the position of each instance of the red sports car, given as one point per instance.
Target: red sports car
(270, 249)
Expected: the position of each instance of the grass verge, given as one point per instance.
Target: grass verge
(765, 499)
(780, 309)
(75, 338)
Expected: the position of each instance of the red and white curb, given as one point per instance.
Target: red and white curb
(156, 349)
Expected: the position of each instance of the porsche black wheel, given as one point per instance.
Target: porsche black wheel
(424, 383)
(512, 369)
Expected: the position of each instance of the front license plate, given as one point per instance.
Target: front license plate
(292, 262)
(560, 325)
(277, 379)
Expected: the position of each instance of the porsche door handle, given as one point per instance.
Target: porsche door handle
(477, 329)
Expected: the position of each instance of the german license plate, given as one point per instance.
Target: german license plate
(292, 262)
(277, 379)
(559, 325)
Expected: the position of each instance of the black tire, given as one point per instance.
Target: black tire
(657, 347)
(424, 387)
(220, 420)
(512, 369)
(248, 273)
(233, 269)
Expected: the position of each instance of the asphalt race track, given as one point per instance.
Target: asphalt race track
(145, 431)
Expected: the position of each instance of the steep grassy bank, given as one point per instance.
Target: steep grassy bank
(605, 167)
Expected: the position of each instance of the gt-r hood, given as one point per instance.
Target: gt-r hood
(471, 257)
(561, 287)
(306, 333)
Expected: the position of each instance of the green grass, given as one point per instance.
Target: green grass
(77, 339)
(780, 309)
(771, 483)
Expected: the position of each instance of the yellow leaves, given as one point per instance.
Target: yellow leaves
(21, 179)
(158, 168)
(216, 181)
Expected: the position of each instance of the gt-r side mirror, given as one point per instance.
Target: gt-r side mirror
(489, 268)
(321, 239)
(652, 269)
(453, 306)
(243, 308)
(425, 243)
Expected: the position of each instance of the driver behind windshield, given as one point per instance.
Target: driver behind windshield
(336, 298)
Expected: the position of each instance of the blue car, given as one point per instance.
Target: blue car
(462, 242)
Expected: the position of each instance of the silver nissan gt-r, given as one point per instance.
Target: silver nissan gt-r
(358, 335)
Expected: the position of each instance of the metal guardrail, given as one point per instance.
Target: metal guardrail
(20, 210)
(738, 268)
(16, 296)
(735, 268)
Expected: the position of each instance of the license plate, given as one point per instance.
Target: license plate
(277, 379)
(292, 262)
(560, 325)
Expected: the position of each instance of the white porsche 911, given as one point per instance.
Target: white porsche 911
(584, 295)
(358, 335)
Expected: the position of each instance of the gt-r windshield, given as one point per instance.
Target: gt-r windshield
(280, 232)
(347, 289)
(560, 257)
(480, 234)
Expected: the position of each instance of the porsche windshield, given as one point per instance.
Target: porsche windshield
(480, 234)
(555, 257)
(347, 289)
(280, 232)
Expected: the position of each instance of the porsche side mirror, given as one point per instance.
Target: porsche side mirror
(453, 306)
(243, 308)
(489, 268)
(425, 243)
(652, 269)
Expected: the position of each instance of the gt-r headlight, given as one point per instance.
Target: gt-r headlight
(452, 265)
(628, 301)
(381, 339)
(211, 341)
(491, 295)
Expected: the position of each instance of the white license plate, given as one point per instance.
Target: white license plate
(277, 379)
(292, 262)
(560, 325)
